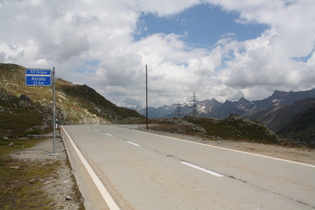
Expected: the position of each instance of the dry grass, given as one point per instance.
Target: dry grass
(21, 181)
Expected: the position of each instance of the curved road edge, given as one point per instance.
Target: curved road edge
(95, 195)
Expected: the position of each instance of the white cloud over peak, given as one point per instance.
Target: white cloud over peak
(164, 8)
(92, 42)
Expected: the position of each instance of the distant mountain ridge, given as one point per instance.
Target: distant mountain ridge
(243, 107)
(275, 117)
(281, 112)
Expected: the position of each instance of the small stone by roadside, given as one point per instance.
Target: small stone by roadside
(61, 186)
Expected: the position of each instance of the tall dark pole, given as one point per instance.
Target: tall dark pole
(146, 92)
(54, 110)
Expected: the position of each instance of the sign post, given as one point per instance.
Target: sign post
(44, 77)
(54, 110)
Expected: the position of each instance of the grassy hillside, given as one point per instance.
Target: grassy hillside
(18, 116)
(237, 128)
(95, 103)
(25, 109)
(233, 128)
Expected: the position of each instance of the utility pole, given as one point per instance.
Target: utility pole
(194, 106)
(146, 92)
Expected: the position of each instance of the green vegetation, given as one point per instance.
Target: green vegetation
(234, 128)
(18, 145)
(20, 123)
(94, 103)
(237, 129)
(21, 116)
(21, 181)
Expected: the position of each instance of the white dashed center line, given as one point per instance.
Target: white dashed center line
(202, 169)
(133, 143)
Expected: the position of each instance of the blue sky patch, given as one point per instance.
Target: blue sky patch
(200, 26)
(92, 62)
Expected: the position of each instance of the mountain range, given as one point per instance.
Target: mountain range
(215, 109)
(280, 112)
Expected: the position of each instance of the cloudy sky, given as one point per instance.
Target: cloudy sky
(223, 49)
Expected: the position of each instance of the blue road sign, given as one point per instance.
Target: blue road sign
(38, 77)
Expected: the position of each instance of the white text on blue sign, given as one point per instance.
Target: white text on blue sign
(38, 71)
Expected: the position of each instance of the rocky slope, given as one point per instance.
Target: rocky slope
(302, 127)
(26, 109)
(234, 128)
(276, 117)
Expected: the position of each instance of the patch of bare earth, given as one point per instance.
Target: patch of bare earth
(60, 187)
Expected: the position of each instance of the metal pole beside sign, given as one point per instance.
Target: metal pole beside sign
(54, 110)
(44, 77)
(146, 98)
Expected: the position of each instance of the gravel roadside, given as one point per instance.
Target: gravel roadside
(62, 189)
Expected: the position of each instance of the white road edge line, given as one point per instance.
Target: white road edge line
(105, 194)
(108, 134)
(202, 169)
(133, 143)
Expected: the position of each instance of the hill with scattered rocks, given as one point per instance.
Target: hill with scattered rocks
(233, 128)
(28, 109)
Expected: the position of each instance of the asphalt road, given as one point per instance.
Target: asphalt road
(146, 171)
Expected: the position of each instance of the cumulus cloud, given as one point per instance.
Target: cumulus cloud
(268, 62)
(162, 9)
(72, 46)
(91, 42)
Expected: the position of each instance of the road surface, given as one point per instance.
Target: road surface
(139, 170)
